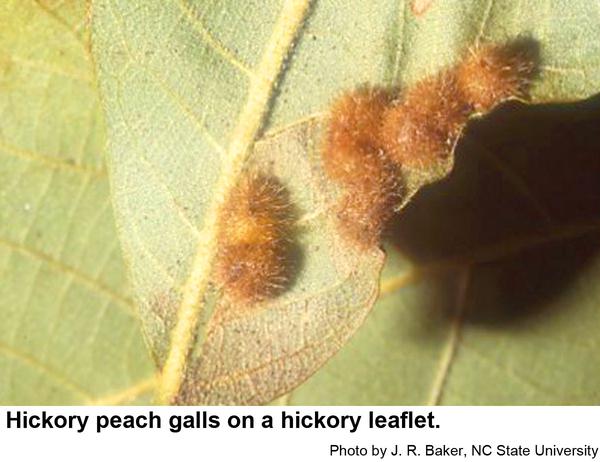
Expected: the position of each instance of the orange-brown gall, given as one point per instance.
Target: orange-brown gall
(352, 147)
(420, 7)
(353, 156)
(253, 260)
(491, 74)
(419, 129)
(380, 147)
(365, 209)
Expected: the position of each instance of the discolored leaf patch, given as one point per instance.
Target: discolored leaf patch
(250, 355)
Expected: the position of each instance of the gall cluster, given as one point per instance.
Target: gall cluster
(377, 139)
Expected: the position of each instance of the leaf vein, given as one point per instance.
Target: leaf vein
(47, 161)
(451, 348)
(126, 395)
(77, 275)
(66, 26)
(49, 68)
(250, 121)
(45, 369)
(211, 41)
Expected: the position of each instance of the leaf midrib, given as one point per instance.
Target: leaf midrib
(250, 121)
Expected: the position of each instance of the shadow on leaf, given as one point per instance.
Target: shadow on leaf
(521, 210)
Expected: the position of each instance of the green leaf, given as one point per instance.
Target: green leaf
(69, 332)
(490, 294)
(189, 87)
(170, 175)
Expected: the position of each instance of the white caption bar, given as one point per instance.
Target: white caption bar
(300, 433)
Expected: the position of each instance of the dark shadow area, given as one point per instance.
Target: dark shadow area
(522, 206)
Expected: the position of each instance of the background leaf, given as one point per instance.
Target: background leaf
(69, 332)
(489, 290)
(177, 76)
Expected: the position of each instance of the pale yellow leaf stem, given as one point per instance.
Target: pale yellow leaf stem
(251, 118)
